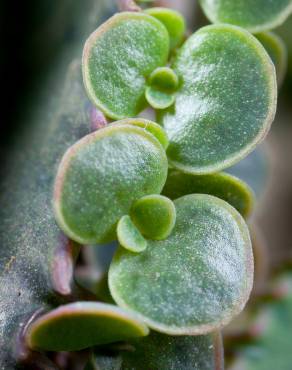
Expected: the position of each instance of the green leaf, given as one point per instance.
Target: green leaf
(154, 215)
(101, 176)
(221, 185)
(163, 352)
(164, 78)
(276, 49)
(226, 102)
(158, 99)
(255, 15)
(81, 325)
(285, 33)
(174, 23)
(155, 129)
(129, 236)
(117, 59)
(197, 279)
(162, 84)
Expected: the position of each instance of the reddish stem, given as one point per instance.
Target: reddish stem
(128, 6)
(63, 265)
(97, 119)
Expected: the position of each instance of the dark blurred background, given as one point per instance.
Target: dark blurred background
(38, 38)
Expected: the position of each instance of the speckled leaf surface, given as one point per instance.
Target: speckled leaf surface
(254, 15)
(81, 325)
(197, 279)
(29, 234)
(101, 176)
(117, 59)
(221, 185)
(226, 101)
(163, 352)
(277, 50)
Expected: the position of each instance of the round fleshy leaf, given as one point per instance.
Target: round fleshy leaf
(150, 126)
(164, 78)
(221, 185)
(174, 23)
(158, 99)
(226, 102)
(277, 51)
(129, 236)
(254, 15)
(101, 176)
(163, 352)
(162, 84)
(197, 279)
(81, 325)
(154, 215)
(117, 59)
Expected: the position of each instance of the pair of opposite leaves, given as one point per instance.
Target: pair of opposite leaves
(224, 103)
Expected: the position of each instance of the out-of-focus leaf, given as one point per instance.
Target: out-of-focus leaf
(163, 352)
(255, 15)
(272, 347)
(277, 50)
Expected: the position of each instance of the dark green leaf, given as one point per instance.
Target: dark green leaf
(81, 325)
(163, 352)
(277, 51)
(197, 279)
(221, 185)
(226, 102)
(118, 57)
(101, 175)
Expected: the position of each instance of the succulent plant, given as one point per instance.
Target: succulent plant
(183, 268)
